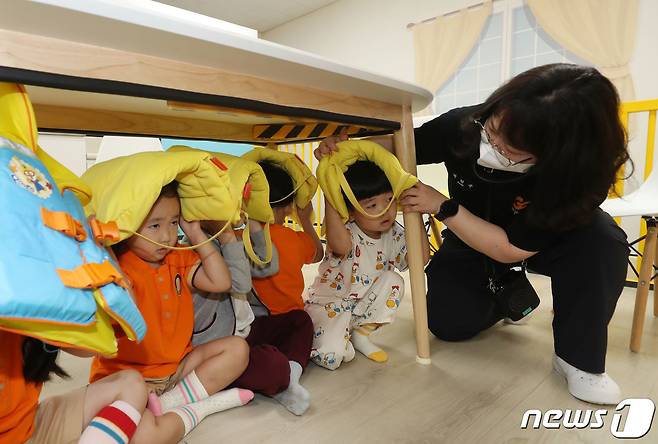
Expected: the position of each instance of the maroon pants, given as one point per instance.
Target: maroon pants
(273, 341)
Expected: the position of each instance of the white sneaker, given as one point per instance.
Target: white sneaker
(589, 387)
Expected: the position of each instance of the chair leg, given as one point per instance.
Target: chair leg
(646, 271)
(655, 283)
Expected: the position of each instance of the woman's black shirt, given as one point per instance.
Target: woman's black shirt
(497, 196)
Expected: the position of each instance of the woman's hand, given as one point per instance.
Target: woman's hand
(328, 145)
(421, 198)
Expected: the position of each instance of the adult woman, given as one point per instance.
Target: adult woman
(528, 170)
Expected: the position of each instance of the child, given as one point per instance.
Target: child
(217, 315)
(282, 292)
(26, 363)
(162, 280)
(356, 290)
(278, 343)
(111, 410)
(281, 342)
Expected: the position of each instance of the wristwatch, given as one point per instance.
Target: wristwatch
(447, 209)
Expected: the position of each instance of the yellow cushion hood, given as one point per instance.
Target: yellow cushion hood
(125, 188)
(331, 171)
(303, 180)
(247, 180)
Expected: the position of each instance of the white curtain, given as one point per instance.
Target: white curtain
(600, 31)
(442, 44)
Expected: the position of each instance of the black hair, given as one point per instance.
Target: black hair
(169, 190)
(366, 180)
(567, 117)
(40, 360)
(281, 184)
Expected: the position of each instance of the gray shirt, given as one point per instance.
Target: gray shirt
(217, 315)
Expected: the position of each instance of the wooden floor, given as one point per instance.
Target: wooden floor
(473, 392)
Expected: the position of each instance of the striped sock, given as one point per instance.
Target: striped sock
(188, 390)
(193, 414)
(115, 424)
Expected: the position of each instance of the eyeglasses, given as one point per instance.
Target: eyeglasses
(498, 151)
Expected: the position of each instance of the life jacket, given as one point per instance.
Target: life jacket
(59, 282)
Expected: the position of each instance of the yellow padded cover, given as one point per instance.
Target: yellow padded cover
(244, 173)
(17, 123)
(331, 171)
(97, 337)
(125, 188)
(303, 180)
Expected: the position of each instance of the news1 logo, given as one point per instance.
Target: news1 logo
(639, 413)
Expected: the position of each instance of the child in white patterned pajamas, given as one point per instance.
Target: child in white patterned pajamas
(356, 290)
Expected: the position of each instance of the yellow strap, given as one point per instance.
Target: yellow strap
(74, 190)
(355, 203)
(189, 247)
(299, 185)
(246, 240)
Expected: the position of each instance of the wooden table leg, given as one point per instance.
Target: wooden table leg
(406, 152)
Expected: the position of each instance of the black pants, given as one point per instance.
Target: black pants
(587, 267)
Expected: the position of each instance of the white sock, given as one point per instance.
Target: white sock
(193, 414)
(361, 341)
(187, 391)
(295, 398)
(114, 424)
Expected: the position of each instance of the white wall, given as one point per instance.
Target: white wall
(368, 34)
(69, 149)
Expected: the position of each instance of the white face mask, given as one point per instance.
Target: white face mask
(489, 159)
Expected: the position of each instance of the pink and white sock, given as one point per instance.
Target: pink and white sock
(193, 414)
(187, 391)
(114, 424)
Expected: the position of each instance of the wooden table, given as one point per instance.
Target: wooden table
(133, 68)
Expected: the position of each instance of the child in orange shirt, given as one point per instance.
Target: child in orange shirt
(111, 410)
(282, 292)
(180, 378)
(107, 411)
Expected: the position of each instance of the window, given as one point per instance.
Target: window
(511, 42)
(531, 46)
(481, 72)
